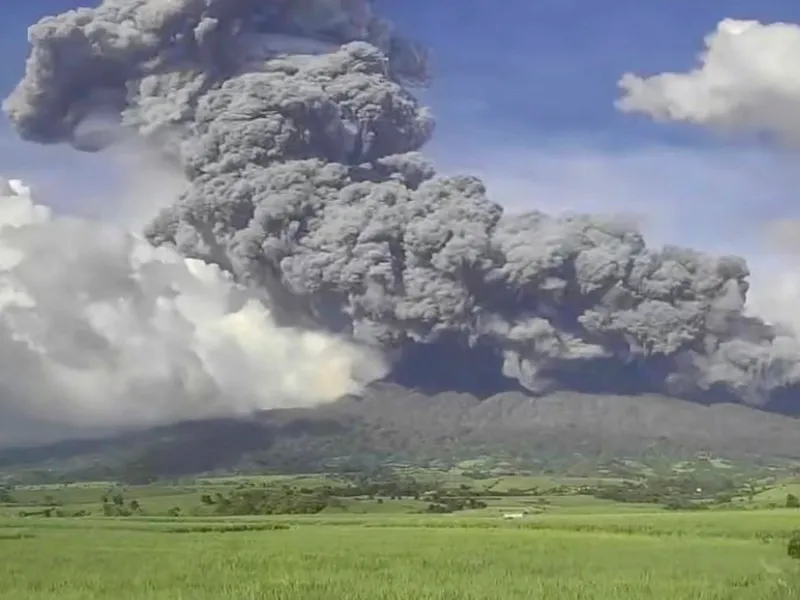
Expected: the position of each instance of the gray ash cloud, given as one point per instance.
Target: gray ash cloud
(296, 126)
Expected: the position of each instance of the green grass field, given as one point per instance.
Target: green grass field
(567, 547)
(725, 555)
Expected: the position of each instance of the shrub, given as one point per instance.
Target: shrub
(793, 550)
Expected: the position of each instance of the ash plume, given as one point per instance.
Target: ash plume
(296, 128)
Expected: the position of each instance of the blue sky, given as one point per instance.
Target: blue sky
(55, 171)
(524, 96)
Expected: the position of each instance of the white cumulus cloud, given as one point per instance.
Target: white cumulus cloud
(100, 331)
(748, 80)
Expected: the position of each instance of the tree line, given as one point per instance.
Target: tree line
(285, 499)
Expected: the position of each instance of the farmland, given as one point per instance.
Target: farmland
(239, 537)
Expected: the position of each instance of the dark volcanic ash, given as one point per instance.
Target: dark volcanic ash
(295, 125)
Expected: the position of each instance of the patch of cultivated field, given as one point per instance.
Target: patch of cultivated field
(709, 555)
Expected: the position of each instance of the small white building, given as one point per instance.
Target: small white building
(514, 515)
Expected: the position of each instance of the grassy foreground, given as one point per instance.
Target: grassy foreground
(711, 556)
(701, 531)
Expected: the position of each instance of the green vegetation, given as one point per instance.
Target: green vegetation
(401, 557)
(793, 549)
(700, 529)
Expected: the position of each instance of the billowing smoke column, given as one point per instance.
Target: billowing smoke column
(294, 124)
(99, 329)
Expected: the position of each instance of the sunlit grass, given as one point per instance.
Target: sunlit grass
(570, 546)
(378, 557)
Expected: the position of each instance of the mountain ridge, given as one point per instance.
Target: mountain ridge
(389, 421)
